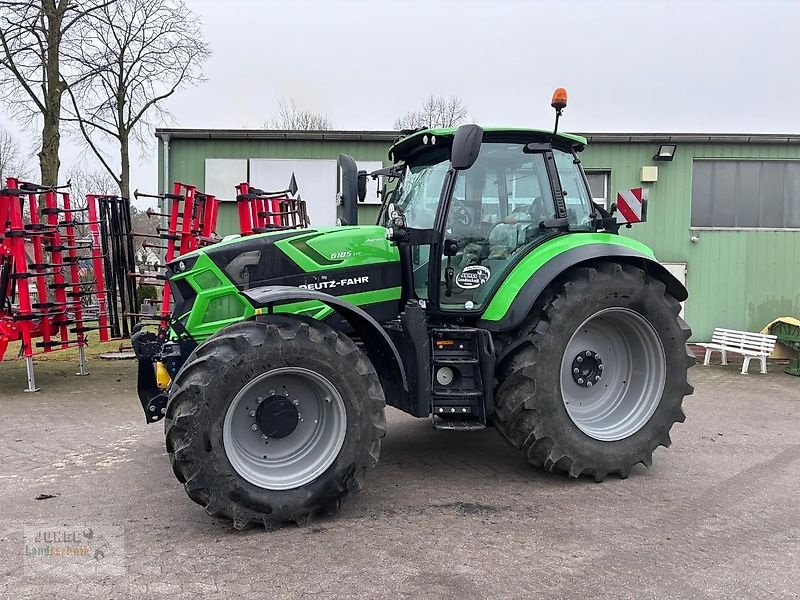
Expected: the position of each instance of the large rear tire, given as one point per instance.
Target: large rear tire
(274, 420)
(593, 381)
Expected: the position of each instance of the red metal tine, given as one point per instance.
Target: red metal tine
(256, 206)
(97, 265)
(51, 203)
(21, 266)
(74, 271)
(188, 243)
(38, 257)
(170, 253)
(172, 226)
(243, 204)
(5, 208)
(209, 216)
(198, 212)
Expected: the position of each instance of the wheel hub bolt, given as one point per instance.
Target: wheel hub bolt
(252, 413)
(254, 427)
(296, 402)
(587, 368)
(263, 436)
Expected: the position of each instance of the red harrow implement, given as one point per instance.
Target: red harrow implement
(261, 211)
(190, 221)
(43, 265)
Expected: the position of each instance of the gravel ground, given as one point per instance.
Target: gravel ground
(445, 514)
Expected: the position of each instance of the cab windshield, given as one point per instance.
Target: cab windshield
(418, 196)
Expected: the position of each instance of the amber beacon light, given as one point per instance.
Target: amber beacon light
(559, 102)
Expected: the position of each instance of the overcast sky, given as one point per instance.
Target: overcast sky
(702, 66)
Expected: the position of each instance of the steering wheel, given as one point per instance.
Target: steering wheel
(460, 214)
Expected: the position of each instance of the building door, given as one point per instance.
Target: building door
(678, 270)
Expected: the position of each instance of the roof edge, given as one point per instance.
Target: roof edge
(278, 134)
(391, 136)
(696, 138)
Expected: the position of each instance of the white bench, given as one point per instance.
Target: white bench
(749, 345)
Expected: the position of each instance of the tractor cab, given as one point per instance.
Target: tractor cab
(471, 202)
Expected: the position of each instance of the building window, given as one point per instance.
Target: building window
(598, 183)
(746, 194)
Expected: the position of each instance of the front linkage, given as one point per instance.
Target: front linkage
(159, 361)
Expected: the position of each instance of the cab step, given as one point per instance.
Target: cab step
(440, 423)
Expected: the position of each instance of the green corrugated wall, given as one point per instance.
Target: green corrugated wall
(736, 279)
(187, 164)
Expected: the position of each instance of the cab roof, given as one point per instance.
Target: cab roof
(408, 145)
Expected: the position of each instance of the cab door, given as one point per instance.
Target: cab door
(492, 221)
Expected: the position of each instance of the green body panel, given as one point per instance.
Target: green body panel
(218, 302)
(339, 247)
(527, 267)
(216, 291)
(318, 310)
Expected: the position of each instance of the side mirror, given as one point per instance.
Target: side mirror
(362, 186)
(349, 192)
(466, 146)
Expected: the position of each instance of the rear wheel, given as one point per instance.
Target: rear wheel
(274, 421)
(594, 380)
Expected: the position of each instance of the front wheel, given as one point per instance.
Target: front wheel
(594, 380)
(275, 420)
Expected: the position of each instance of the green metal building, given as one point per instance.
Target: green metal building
(723, 214)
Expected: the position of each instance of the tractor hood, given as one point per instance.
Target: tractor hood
(341, 261)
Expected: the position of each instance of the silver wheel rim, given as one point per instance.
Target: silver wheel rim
(612, 374)
(299, 456)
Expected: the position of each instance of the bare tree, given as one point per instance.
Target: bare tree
(37, 41)
(291, 117)
(436, 111)
(150, 49)
(12, 163)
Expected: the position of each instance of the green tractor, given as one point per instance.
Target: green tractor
(492, 292)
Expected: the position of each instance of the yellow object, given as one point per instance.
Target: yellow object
(162, 377)
(780, 350)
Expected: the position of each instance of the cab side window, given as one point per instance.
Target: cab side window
(576, 194)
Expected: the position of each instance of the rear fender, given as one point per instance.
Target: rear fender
(379, 346)
(585, 254)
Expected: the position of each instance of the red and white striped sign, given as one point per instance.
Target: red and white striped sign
(632, 206)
